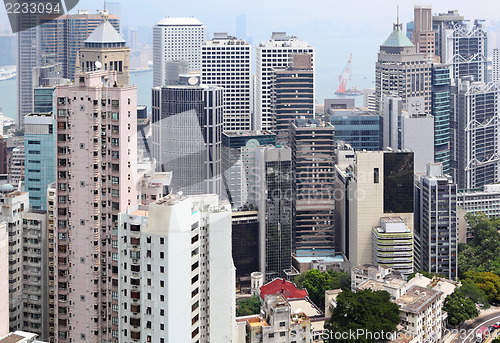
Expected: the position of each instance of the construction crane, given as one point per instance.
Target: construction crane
(343, 78)
(346, 73)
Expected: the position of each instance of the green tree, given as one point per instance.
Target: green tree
(483, 252)
(474, 293)
(372, 311)
(247, 306)
(459, 308)
(317, 282)
(488, 282)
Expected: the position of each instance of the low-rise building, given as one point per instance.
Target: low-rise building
(363, 272)
(279, 323)
(420, 310)
(393, 245)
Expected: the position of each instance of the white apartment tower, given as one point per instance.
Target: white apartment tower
(4, 280)
(226, 62)
(14, 204)
(176, 39)
(495, 71)
(177, 281)
(274, 54)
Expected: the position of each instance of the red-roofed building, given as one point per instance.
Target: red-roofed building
(281, 286)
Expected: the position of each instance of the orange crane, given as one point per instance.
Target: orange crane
(346, 73)
(343, 78)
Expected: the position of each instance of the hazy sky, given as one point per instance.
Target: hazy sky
(336, 28)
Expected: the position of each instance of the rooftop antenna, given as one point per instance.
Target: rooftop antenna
(104, 12)
(398, 26)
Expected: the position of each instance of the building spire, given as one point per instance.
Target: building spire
(398, 26)
(104, 12)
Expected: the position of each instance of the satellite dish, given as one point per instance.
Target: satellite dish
(98, 65)
(193, 80)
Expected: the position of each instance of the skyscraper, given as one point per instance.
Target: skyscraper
(105, 49)
(55, 41)
(274, 54)
(187, 136)
(436, 241)
(475, 159)
(96, 122)
(4, 277)
(40, 157)
(372, 185)
(313, 154)
(276, 209)
(176, 39)
(226, 62)
(177, 277)
(441, 110)
(495, 68)
(423, 37)
(292, 94)
(14, 205)
(402, 71)
(238, 164)
(60, 40)
(461, 45)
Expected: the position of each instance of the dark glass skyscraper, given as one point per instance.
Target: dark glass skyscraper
(441, 112)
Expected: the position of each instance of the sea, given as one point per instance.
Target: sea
(144, 81)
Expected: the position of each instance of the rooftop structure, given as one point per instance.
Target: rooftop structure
(283, 287)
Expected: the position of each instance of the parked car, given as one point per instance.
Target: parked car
(496, 325)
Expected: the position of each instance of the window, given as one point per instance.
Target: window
(115, 141)
(115, 180)
(375, 175)
(115, 116)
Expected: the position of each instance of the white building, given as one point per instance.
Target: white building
(417, 135)
(14, 204)
(272, 55)
(177, 278)
(495, 68)
(420, 310)
(226, 62)
(4, 280)
(176, 39)
(485, 200)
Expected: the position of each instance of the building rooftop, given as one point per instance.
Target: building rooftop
(397, 38)
(305, 306)
(281, 286)
(248, 133)
(167, 21)
(105, 33)
(19, 337)
(417, 299)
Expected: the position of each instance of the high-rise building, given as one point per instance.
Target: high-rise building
(391, 111)
(480, 200)
(475, 137)
(40, 157)
(441, 112)
(423, 36)
(3, 156)
(495, 68)
(16, 165)
(60, 40)
(238, 164)
(14, 205)
(292, 94)
(106, 49)
(187, 136)
(392, 245)
(371, 185)
(276, 209)
(176, 39)
(461, 45)
(177, 278)
(313, 154)
(4, 277)
(96, 180)
(417, 135)
(369, 100)
(43, 99)
(27, 59)
(35, 277)
(272, 55)
(435, 229)
(401, 71)
(57, 40)
(359, 127)
(245, 243)
(226, 62)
